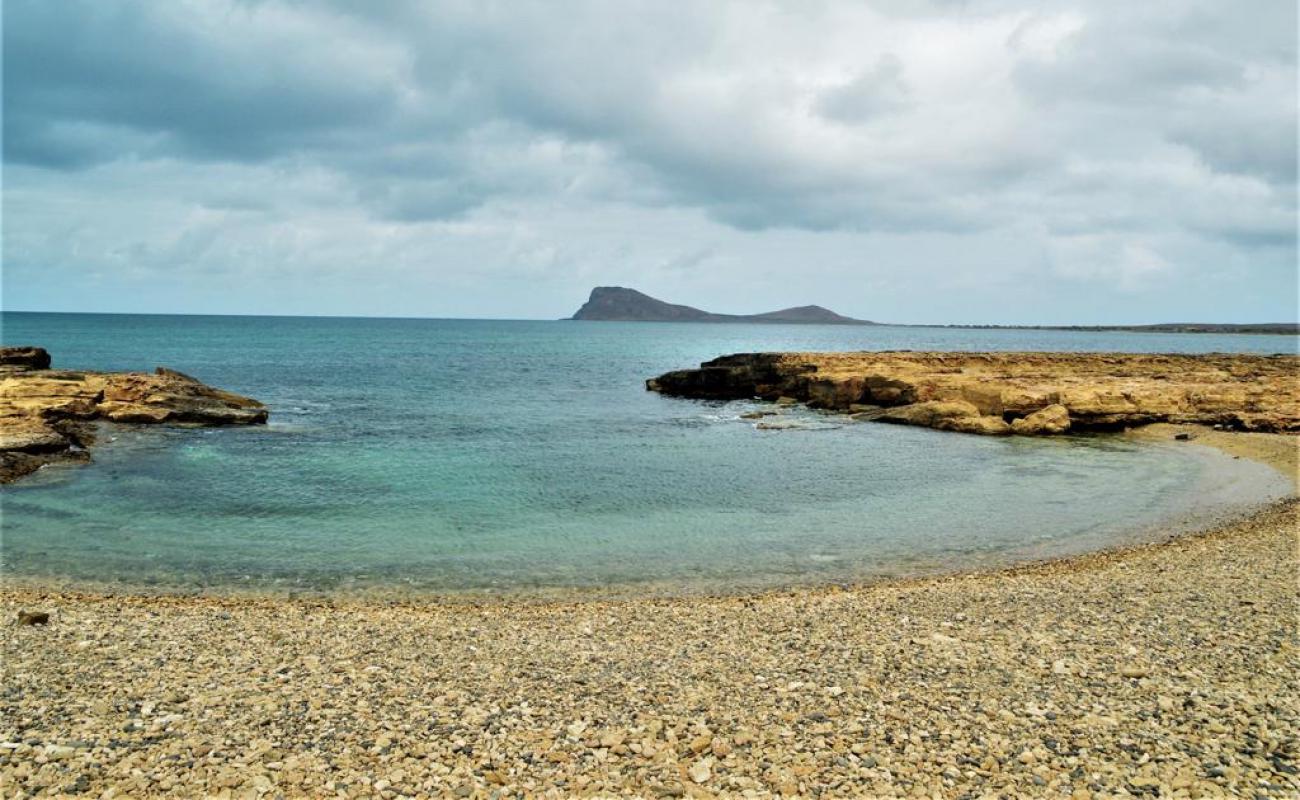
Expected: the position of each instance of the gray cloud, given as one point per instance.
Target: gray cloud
(873, 93)
(1098, 143)
(242, 82)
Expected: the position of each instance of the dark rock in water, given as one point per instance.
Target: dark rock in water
(33, 618)
(1182, 437)
(24, 357)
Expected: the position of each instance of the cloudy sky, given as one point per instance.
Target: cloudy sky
(986, 161)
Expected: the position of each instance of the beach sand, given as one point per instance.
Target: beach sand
(1162, 670)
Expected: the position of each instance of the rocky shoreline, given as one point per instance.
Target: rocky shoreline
(50, 415)
(1012, 393)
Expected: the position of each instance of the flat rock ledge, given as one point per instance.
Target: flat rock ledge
(48, 415)
(1013, 393)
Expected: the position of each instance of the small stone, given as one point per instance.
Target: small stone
(1133, 672)
(701, 771)
(56, 752)
(1182, 437)
(33, 618)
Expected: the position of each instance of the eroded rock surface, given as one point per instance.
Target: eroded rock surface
(45, 414)
(1014, 393)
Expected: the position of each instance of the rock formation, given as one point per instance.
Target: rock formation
(46, 414)
(1013, 393)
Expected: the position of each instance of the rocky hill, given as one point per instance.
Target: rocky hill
(616, 303)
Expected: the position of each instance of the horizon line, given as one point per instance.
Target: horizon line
(986, 325)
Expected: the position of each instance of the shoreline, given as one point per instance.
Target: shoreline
(1278, 451)
(37, 589)
(1159, 669)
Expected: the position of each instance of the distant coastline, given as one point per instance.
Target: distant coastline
(1252, 328)
(1272, 328)
(620, 304)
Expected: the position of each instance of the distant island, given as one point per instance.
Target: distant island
(616, 303)
(620, 304)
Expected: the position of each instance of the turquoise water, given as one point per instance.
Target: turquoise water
(452, 455)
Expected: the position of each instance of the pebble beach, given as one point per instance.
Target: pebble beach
(1166, 670)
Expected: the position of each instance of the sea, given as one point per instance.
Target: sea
(485, 457)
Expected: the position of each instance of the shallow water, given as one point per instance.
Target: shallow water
(446, 455)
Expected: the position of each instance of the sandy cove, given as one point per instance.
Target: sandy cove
(1162, 670)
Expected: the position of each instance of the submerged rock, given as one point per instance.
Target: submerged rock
(44, 412)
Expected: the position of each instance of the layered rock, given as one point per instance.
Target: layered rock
(45, 414)
(1014, 393)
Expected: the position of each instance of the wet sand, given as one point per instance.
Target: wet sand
(1161, 670)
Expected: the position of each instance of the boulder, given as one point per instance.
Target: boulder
(930, 414)
(24, 358)
(984, 425)
(1045, 422)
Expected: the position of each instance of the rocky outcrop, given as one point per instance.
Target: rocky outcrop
(1029, 394)
(45, 414)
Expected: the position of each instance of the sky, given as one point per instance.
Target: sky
(930, 161)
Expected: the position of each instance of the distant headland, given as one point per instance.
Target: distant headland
(615, 303)
(620, 304)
